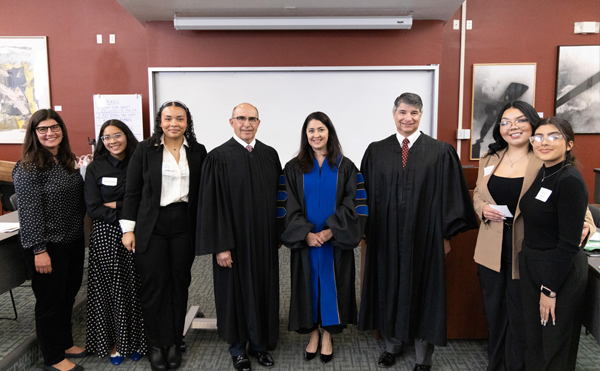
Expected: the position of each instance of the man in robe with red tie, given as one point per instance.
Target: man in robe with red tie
(240, 222)
(418, 199)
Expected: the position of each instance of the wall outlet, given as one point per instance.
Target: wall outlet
(463, 134)
(469, 25)
(111, 38)
(99, 39)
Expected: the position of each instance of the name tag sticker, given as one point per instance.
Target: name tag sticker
(109, 181)
(488, 170)
(543, 194)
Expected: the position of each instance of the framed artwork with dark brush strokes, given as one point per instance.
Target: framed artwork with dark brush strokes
(578, 87)
(494, 85)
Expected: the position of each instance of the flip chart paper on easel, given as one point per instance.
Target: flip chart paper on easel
(124, 107)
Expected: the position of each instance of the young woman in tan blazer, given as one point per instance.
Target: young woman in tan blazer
(505, 173)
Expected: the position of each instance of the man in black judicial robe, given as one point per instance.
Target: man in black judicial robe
(415, 208)
(239, 225)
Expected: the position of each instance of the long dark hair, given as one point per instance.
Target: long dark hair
(102, 152)
(565, 128)
(528, 111)
(306, 155)
(35, 155)
(158, 131)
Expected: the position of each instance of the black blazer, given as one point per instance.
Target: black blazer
(142, 195)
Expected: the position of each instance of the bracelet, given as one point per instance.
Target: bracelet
(549, 293)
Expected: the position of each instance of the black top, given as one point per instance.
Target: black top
(105, 182)
(144, 185)
(556, 224)
(51, 207)
(506, 191)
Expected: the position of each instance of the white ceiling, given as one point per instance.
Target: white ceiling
(163, 10)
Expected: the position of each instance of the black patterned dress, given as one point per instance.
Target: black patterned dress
(114, 314)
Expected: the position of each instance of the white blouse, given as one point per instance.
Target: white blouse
(175, 181)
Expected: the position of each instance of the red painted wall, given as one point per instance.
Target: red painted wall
(503, 32)
(80, 68)
(516, 31)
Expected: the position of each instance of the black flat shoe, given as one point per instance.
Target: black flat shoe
(386, 360)
(241, 363)
(183, 347)
(327, 357)
(173, 357)
(309, 356)
(52, 368)
(82, 354)
(263, 357)
(419, 367)
(156, 357)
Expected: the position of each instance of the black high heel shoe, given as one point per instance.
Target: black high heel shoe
(327, 357)
(308, 356)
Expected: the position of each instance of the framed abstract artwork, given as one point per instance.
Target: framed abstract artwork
(578, 87)
(24, 84)
(494, 85)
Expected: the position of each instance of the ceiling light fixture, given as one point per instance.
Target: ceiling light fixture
(292, 23)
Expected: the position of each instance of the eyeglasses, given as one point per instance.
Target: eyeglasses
(44, 129)
(242, 119)
(537, 140)
(518, 122)
(115, 136)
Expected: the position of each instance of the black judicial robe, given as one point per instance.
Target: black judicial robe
(347, 225)
(238, 212)
(412, 210)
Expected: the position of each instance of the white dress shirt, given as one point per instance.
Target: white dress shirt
(244, 144)
(175, 181)
(411, 138)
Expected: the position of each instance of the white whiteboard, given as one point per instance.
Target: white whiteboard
(124, 107)
(359, 101)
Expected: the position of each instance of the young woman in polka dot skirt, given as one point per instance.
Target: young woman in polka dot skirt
(49, 192)
(114, 314)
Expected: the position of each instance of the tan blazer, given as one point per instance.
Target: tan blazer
(488, 249)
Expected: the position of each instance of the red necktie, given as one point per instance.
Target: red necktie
(249, 148)
(404, 151)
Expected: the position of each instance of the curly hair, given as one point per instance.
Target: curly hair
(158, 131)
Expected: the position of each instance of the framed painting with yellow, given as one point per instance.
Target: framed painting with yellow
(24, 83)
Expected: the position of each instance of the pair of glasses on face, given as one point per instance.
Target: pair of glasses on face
(537, 140)
(518, 123)
(44, 129)
(243, 119)
(115, 136)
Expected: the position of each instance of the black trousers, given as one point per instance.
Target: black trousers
(503, 312)
(552, 347)
(164, 270)
(55, 295)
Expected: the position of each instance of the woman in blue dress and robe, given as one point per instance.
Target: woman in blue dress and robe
(326, 215)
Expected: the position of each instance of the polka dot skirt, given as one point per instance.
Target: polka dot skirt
(114, 314)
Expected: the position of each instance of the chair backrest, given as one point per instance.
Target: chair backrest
(13, 202)
(7, 189)
(595, 210)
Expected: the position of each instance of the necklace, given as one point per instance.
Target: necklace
(511, 161)
(544, 172)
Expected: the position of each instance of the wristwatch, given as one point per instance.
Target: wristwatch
(549, 293)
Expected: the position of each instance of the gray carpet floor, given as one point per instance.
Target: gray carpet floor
(353, 350)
